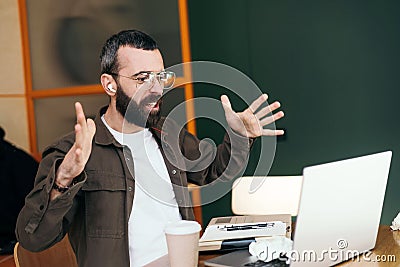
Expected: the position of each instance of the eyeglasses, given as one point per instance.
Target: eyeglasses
(146, 79)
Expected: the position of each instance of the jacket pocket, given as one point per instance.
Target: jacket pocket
(104, 204)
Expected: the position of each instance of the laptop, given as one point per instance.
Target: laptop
(339, 214)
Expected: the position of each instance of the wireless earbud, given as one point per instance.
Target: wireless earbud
(109, 87)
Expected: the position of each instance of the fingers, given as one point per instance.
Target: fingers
(91, 127)
(268, 132)
(78, 155)
(258, 102)
(271, 119)
(79, 137)
(84, 129)
(252, 122)
(266, 110)
(80, 125)
(80, 116)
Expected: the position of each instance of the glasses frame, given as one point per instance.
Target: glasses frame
(151, 80)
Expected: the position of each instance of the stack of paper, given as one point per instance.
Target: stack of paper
(240, 231)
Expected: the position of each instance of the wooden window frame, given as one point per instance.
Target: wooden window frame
(31, 94)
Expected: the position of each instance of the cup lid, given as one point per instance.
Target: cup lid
(182, 227)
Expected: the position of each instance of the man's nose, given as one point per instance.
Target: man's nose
(157, 88)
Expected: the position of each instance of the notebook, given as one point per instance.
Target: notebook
(237, 232)
(339, 213)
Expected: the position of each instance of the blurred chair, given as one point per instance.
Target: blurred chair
(265, 195)
(59, 255)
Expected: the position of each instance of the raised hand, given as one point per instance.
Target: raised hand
(250, 122)
(77, 157)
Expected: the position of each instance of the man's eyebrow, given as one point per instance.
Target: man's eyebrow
(144, 71)
(141, 72)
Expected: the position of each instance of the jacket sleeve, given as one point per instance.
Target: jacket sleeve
(42, 223)
(225, 161)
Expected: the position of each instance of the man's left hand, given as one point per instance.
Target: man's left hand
(250, 122)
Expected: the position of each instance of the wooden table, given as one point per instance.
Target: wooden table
(386, 252)
(7, 261)
(387, 249)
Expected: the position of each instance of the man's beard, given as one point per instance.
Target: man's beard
(137, 113)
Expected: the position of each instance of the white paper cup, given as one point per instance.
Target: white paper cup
(183, 243)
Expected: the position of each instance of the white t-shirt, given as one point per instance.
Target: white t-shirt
(154, 203)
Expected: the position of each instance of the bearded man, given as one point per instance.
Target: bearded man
(115, 182)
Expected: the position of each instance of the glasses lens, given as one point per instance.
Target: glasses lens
(145, 81)
(167, 79)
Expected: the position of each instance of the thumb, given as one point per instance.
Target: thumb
(226, 104)
(91, 127)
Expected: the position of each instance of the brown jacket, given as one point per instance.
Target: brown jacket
(95, 211)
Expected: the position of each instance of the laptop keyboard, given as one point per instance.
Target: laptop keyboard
(273, 263)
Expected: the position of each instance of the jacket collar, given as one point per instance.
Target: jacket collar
(103, 135)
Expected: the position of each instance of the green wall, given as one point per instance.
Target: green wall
(334, 66)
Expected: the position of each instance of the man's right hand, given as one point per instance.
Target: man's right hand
(77, 157)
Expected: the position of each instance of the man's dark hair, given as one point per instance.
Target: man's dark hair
(130, 38)
(2, 133)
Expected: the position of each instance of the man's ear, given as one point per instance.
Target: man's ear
(109, 84)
